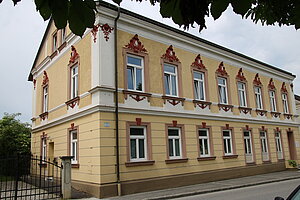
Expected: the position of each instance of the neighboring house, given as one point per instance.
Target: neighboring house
(188, 110)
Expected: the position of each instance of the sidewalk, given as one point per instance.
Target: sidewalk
(211, 186)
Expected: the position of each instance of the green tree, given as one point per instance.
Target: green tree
(14, 135)
(80, 14)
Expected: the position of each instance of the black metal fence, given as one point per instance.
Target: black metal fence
(29, 177)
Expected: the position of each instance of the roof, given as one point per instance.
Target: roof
(297, 97)
(127, 12)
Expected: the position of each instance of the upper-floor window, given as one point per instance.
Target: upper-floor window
(170, 79)
(199, 86)
(135, 74)
(174, 142)
(54, 42)
(273, 100)
(204, 142)
(138, 144)
(63, 35)
(45, 99)
(258, 97)
(285, 103)
(242, 94)
(74, 81)
(222, 89)
(227, 141)
(74, 146)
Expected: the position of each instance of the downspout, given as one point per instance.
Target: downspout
(117, 105)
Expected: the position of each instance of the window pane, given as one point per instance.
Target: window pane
(133, 148)
(229, 146)
(198, 75)
(139, 83)
(196, 88)
(201, 146)
(167, 83)
(134, 61)
(136, 131)
(171, 148)
(173, 132)
(130, 78)
(73, 148)
(177, 147)
(141, 148)
(225, 146)
(249, 146)
(174, 86)
(206, 146)
(169, 68)
(262, 134)
(226, 134)
(221, 81)
(201, 91)
(74, 135)
(202, 133)
(246, 134)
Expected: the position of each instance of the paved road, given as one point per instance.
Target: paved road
(259, 192)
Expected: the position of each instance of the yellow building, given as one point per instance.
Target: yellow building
(187, 111)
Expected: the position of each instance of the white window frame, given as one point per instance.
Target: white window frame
(134, 75)
(74, 160)
(202, 143)
(224, 88)
(227, 140)
(258, 97)
(264, 145)
(137, 138)
(174, 138)
(242, 94)
(168, 75)
(197, 86)
(74, 82)
(248, 143)
(44, 148)
(55, 42)
(272, 95)
(278, 143)
(45, 98)
(285, 103)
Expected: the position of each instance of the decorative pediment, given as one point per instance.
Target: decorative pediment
(198, 63)
(106, 29)
(271, 84)
(74, 55)
(240, 76)
(256, 80)
(45, 79)
(94, 32)
(283, 88)
(136, 45)
(221, 70)
(170, 55)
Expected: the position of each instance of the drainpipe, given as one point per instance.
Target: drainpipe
(117, 105)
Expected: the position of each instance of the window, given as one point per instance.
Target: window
(204, 142)
(74, 146)
(278, 145)
(63, 35)
(222, 88)
(138, 145)
(199, 87)
(174, 140)
(44, 148)
(54, 40)
(248, 147)
(170, 80)
(258, 98)
(135, 74)
(272, 100)
(45, 99)
(285, 103)
(227, 139)
(264, 145)
(242, 94)
(74, 81)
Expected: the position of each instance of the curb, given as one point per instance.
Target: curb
(173, 196)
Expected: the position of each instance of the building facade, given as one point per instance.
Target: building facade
(187, 111)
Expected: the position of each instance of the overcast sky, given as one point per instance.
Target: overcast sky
(22, 29)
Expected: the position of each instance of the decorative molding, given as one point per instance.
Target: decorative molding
(137, 96)
(292, 87)
(62, 46)
(271, 84)
(288, 116)
(136, 45)
(198, 63)
(106, 29)
(201, 104)
(261, 112)
(225, 107)
(173, 100)
(240, 76)
(170, 55)
(138, 121)
(245, 110)
(54, 53)
(72, 127)
(221, 70)
(74, 55)
(256, 80)
(72, 102)
(94, 32)
(44, 116)
(45, 79)
(275, 114)
(283, 88)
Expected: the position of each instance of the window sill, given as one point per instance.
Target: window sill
(281, 160)
(53, 54)
(44, 115)
(245, 110)
(140, 163)
(72, 102)
(288, 116)
(201, 104)
(275, 114)
(177, 160)
(63, 45)
(173, 100)
(225, 107)
(75, 165)
(251, 164)
(137, 96)
(261, 112)
(266, 162)
(230, 156)
(206, 158)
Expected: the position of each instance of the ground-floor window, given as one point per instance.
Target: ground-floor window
(138, 144)
(227, 142)
(174, 141)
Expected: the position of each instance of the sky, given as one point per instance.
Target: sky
(22, 29)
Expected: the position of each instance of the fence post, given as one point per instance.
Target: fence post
(66, 177)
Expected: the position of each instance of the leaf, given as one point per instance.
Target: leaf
(15, 2)
(60, 10)
(167, 7)
(218, 7)
(117, 1)
(241, 6)
(44, 9)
